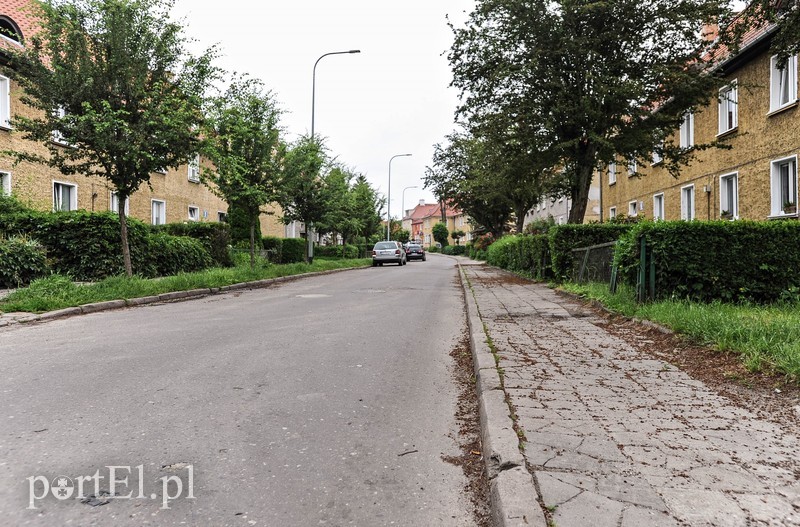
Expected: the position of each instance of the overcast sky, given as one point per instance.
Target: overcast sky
(392, 98)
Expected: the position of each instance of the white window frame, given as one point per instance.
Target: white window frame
(612, 212)
(194, 169)
(5, 183)
(688, 212)
(197, 213)
(728, 104)
(777, 187)
(687, 130)
(162, 218)
(658, 158)
(658, 207)
(113, 203)
(73, 196)
(222, 216)
(612, 173)
(57, 137)
(633, 167)
(783, 83)
(5, 102)
(732, 208)
(633, 207)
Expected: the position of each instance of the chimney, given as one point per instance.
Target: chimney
(422, 203)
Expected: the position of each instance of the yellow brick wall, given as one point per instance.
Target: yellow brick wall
(759, 139)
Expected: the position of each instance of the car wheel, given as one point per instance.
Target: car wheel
(423, 258)
(374, 264)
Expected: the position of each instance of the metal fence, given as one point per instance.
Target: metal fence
(594, 263)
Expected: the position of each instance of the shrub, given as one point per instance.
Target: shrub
(274, 247)
(716, 260)
(22, 260)
(337, 251)
(521, 253)
(216, 237)
(175, 254)
(448, 250)
(293, 250)
(564, 238)
(483, 241)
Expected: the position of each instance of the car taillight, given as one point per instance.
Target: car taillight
(374, 253)
(397, 251)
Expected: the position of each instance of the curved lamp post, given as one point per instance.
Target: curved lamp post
(389, 197)
(309, 227)
(403, 203)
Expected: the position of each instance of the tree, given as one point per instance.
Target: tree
(587, 90)
(457, 235)
(401, 235)
(440, 233)
(367, 205)
(303, 193)
(110, 80)
(340, 217)
(245, 147)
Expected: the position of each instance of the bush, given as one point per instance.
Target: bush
(274, 247)
(716, 260)
(176, 254)
(293, 250)
(459, 250)
(337, 251)
(521, 253)
(216, 237)
(448, 250)
(564, 238)
(22, 260)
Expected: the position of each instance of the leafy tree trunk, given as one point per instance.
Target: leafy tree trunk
(584, 171)
(519, 217)
(123, 235)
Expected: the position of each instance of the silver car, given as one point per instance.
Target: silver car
(388, 252)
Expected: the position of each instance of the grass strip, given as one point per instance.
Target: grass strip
(58, 292)
(767, 337)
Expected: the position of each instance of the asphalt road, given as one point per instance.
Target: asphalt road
(325, 401)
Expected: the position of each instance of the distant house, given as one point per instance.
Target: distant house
(420, 220)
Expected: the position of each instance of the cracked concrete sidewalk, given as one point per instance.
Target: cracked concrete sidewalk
(614, 437)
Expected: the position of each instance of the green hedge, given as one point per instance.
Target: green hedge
(293, 250)
(337, 251)
(22, 260)
(564, 238)
(216, 237)
(86, 245)
(274, 247)
(521, 253)
(717, 260)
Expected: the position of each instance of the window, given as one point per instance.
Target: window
(657, 157)
(728, 108)
(784, 186)
(658, 207)
(687, 203)
(158, 212)
(729, 196)
(687, 130)
(783, 83)
(222, 217)
(194, 169)
(114, 203)
(5, 102)
(5, 183)
(10, 30)
(58, 137)
(632, 208)
(65, 196)
(612, 173)
(612, 213)
(633, 166)
(194, 213)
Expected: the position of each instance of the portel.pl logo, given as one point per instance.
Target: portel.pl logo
(116, 482)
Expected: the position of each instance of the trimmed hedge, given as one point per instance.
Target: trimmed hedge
(564, 238)
(521, 253)
(216, 237)
(22, 260)
(293, 250)
(337, 251)
(717, 260)
(274, 247)
(176, 254)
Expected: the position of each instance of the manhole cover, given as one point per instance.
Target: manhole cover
(313, 296)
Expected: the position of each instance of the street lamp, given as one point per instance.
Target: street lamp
(403, 203)
(309, 227)
(389, 197)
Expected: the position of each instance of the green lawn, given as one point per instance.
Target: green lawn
(766, 337)
(58, 292)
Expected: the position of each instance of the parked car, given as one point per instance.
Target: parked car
(415, 252)
(388, 252)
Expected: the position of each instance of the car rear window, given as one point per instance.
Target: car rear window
(385, 245)
(415, 247)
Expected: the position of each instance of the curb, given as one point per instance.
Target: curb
(175, 296)
(513, 500)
